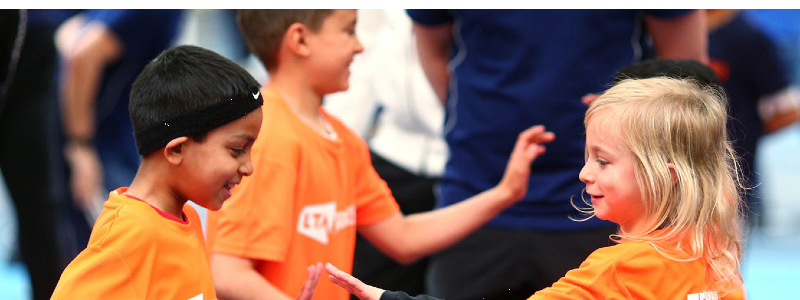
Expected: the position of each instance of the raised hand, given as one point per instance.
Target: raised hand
(526, 150)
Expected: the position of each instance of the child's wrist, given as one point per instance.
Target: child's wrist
(505, 193)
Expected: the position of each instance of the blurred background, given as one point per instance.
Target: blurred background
(771, 264)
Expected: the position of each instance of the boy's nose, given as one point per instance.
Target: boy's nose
(246, 168)
(358, 47)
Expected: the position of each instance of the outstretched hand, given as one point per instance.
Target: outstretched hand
(356, 287)
(526, 150)
(311, 281)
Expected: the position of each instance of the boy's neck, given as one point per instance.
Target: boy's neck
(298, 94)
(303, 100)
(155, 191)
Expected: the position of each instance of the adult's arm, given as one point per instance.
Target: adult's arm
(433, 46)
(681, 37)
(85, 51)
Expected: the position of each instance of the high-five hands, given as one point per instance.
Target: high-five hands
(352, 284)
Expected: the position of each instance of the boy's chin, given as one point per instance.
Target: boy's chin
(341, 87)
(211, 204)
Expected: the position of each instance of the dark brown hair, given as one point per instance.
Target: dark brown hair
(263, 29)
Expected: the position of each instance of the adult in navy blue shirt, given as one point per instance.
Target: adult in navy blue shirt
(498, 72)
(102, 53)
(762, 99)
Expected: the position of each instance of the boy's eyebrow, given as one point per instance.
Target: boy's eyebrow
(244, 136)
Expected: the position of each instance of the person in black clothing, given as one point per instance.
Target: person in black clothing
(30, 157)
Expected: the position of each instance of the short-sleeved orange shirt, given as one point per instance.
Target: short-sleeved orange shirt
(135, 252)
(635, 270)
(303, 202)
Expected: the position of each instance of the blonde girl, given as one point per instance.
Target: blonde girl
(658, 164)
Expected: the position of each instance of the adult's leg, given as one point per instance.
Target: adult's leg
(25, 159)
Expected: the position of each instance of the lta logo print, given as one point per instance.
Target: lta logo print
(319, 220)
(703, 296)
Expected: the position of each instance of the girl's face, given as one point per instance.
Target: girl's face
(610, 176)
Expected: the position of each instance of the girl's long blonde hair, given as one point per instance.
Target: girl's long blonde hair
(685, 168)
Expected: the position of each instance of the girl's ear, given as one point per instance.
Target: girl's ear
(173, 152)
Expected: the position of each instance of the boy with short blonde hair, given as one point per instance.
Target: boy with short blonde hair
(314, 184)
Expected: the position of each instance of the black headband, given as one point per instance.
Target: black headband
(196, 121)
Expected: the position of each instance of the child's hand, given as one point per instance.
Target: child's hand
(528, 147)
(353, 285)
(589, 98)
(311, 282)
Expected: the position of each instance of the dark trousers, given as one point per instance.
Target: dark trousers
(509, 264)
(32, 163)
(414, 194)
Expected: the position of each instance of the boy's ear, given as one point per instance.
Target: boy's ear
(173, 151)
(296, 39)
(672, 173)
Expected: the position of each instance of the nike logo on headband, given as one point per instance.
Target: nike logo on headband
(255, 96)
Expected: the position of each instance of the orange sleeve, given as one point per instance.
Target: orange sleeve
(632, 270)
(96, 273)
(644, 277)
(596, 278)
(374, 200)
(256, 222)
(101, 271)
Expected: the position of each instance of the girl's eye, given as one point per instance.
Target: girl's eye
(602, 162)
(237, 151)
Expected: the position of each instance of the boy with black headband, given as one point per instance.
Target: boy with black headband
(314, 184)
(195, 116)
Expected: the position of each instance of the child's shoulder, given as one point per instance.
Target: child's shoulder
(640, 257)
(124, 224)
(629, 253)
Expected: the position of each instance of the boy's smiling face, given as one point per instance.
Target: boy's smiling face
(332, 48)
(213, 167)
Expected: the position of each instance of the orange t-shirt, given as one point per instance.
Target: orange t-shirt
(303, 202)
(136, 252)
(635, 270)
